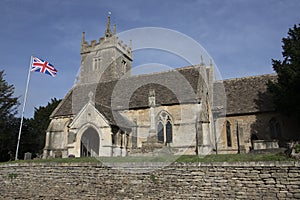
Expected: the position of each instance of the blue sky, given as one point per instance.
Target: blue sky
(242, 36)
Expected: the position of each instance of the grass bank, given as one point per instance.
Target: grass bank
(184, 158)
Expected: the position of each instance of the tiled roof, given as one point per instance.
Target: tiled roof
(171, 87)
(248, 94)
(243, 95)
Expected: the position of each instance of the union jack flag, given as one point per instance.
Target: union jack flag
(39, 65)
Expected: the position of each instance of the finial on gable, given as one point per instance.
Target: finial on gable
(130, 47)
(202, 61)
(211, 63)
(108, 31)
(91, 97)
(151, 97)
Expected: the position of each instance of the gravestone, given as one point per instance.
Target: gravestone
(27, 156)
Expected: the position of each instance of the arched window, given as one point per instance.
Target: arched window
(160, 132)
(164, 128)
(169, 132)
(96, 63)
(275, 128)
(228, 133)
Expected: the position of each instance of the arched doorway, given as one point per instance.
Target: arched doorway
(89, 143)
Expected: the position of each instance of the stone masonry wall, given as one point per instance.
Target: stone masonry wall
(250, 180)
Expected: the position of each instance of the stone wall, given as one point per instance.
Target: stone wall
(250, 180)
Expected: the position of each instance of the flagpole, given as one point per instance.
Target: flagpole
(23, 109)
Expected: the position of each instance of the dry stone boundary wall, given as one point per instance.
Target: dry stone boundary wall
(247, 180)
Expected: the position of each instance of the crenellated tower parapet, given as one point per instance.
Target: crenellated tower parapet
(107, 59)
(104, 42)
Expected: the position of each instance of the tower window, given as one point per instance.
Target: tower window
(96, 63)
(164, 128)
(124, 66)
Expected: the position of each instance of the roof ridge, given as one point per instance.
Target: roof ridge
(162, 72)
(165, 71)
(248, 77)
(148, 74)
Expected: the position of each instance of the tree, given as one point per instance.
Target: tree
(8, 108)
(34, 139)
(33, 130)
(8, 103)
(285, 91)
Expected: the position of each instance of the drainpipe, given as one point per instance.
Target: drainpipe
(215, 135)
(238, 137)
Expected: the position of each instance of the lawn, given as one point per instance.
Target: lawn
(235, 158)
(184, 158)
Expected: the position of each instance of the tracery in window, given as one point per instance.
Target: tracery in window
(164, 128)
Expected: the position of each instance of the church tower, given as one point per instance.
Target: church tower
(106, 60)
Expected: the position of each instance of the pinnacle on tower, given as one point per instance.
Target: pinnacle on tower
(108, 31)
(83, 37)
(115, 29)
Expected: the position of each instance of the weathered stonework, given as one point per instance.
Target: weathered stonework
(184, 109)
(250, 180)
(106, 60)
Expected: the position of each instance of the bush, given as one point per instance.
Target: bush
(297, 148)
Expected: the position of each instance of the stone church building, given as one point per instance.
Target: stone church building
(109, 112)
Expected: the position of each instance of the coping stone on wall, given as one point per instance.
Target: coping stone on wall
(161, 164)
